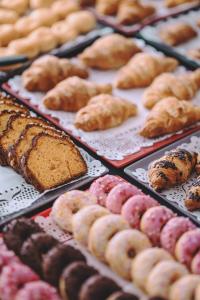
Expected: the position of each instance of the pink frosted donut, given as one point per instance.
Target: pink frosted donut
(187, 246)
(119, 195)
(2, 245)
(195, 265)
(102, 186)
(37, 290)
(13, 277)
(173, 230)
(6, 258)
(135, 207)
(153, 221)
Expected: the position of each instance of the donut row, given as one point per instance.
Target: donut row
(61, 265)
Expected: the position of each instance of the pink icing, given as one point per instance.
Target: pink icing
(6, 258)
(195, 266)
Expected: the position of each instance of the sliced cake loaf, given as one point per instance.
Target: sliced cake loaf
(52, 161)
(7, 104)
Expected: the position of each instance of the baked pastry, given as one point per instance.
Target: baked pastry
(73, 93)
(173, 168)
(103, 112)
(86, 2)
(62, 35)
(26, 24)
(24, 46)
(47, 71)
(133, 11)
(8, 16)
(170, 115)
(63, 8)
(7, 34)
(106, 7)
(34, 4)
(81, 21)
(19, 6)
(194, 53)
(48, 41)
(192, 201)
(172, 3)
(109, 52)
(176, 34)
(183, 87)
(142, 69)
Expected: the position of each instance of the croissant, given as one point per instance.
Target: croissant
(19, 6)
(176, 34)
(170, 115)
(82, 21)
(194, 53)
(133, 11)
(183, 87)
(171, 169)
(73, 93)
(106, 7)
(47, 71)
(172, 3)
(104, 111)
(7, 34)
(142, 69)
(8, 16)
(109, 52)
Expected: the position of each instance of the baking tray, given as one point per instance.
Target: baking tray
(173, 197)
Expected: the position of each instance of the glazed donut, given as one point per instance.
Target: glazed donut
(84, 219)
(72, 279)
(67, 205)
(102, 186)
(37, 290)
(187, 246)
(162, 276)
(13, 277)
(34, 248)
(6, 258)
(102, 231)
(173, 230)
(135, 207)
(122, 296)
(119, 195)
(122, 248)
(195, 265)
(98, 287)
(57, 259)
(153, 221)
(144, 263)
(184, 288)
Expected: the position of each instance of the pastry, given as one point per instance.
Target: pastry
(34, 4)
(176, 34)
(194, 53)
(142, 69)
(7, 34)
(107, 7)
(24, 46)
(122, 296)
(47, 71)
(170, 115)
(173, 168)
(8, 16)
(26, 24)
(103, 112)
(45, 16)
(109, 52)
(172, 3)
(82, 21)
(10, 104)
(63, 8)
(62, 35)
(19, 6)
(185, 288)
(73, 93)
(48, 41)
(192, 201)
(167, 85)
(195, 264)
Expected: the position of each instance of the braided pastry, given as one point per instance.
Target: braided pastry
(106, 7)
(19, 6)
(34, 4)
(8, 16)
(172, 3)
(7, 34)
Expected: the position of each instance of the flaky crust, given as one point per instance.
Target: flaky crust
(142, 69)
(103, 112)
(170, 115)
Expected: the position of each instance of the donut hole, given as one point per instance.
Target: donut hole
(131, 253)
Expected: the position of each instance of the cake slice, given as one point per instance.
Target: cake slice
(52, 161)
(7, 103)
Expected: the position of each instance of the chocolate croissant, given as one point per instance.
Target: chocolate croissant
(170, 115)
(142, 69)
(183, 87)
(104, 111)
(171, 169)
(73, 93)
(47, 71)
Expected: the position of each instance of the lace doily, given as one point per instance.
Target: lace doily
(178, 193)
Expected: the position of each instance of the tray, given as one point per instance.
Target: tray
(173, 197)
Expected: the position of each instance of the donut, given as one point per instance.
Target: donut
(122, 248)
(57, 259)
(67, 205)
(135, 207)
(173, 230)
(13, 277)
(102, 186)
(17, 231)
(34, 248)
(119, 195)
(184, 288)
(187, 246)
(6, 258)
(102, 231)
(162, 276)
(122, 296)
(195, 264)
(144, 263)
(197, 293)
(72, 279)
(98, 287)
(37, 290)
(153, 221)
(84, 219)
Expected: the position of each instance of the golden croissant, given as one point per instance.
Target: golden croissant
(73, 93)
(172, 3)
(47, 71)
(171, 169)
(104, 111)
(107, 7)
(142, 69)
(109, 52)
(170, 115)
(183, 87)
